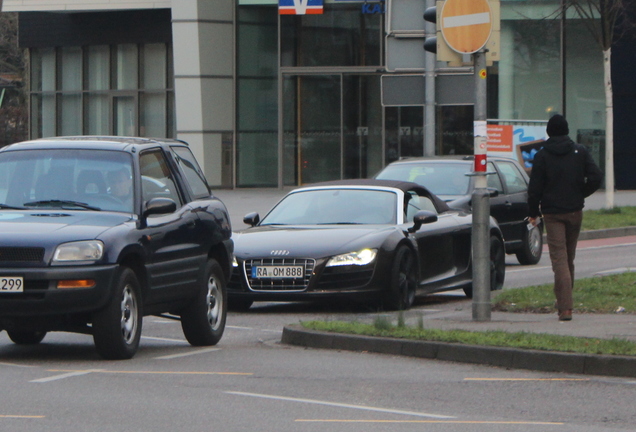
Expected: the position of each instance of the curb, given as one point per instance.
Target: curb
(512, 358)
(607, 233)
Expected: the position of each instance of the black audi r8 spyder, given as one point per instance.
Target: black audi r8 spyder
(378, 241)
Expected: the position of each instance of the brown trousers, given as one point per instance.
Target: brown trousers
(562, 232)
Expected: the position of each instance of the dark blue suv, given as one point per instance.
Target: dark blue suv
(97, 232)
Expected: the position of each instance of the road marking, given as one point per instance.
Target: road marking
(74, 373)
(615, 271)
(529, 423)
(189, 353)
(526, 379)
(164, 339)
(606, 246)
(21, 416)
(16, 365)
(524, 269)
(65, 375)
(104, 371)
(340, 405)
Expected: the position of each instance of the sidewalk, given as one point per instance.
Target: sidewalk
(602, 326)
(606, 326)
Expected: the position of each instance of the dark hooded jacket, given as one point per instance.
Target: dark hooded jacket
(563, 175)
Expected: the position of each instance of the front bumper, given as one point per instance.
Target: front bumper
(319, 282)
(42, 297)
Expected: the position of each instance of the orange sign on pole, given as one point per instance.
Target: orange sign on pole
(466, 24)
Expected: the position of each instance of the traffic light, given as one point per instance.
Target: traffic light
(436, 44)
(430, 43)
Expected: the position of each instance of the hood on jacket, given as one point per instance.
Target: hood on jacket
(559, 145)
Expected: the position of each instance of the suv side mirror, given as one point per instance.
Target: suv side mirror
(251, 219)
(422, 217)
(159, 206)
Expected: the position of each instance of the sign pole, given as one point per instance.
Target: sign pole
(481, 197)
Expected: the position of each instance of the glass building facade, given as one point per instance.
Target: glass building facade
(307, 103)
(309, 90)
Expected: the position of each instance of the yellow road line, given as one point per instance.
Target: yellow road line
(21, 416)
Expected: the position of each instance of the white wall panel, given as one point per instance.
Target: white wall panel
(81, 5)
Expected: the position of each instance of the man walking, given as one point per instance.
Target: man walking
(563, 175)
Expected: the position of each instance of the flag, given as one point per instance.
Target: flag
(299, 7)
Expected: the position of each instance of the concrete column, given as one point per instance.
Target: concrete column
(203, 39)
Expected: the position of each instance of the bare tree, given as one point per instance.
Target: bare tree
(607, 21)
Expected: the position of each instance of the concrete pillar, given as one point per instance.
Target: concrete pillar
(203, 40)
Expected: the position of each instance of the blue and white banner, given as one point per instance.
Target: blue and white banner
(300, 7)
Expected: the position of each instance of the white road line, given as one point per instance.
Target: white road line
(341, 405)
(606, 246)
(186, 354)
(615, 271)
(15, 365)
(526, 268)
(165, 339)
(66, 375)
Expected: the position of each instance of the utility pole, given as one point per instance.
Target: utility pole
(481, 197)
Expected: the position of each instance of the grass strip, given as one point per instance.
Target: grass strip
(525, 340)
(618, 217)
(606, 294)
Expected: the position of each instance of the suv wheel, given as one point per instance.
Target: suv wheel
(117, 327)
(203, 320)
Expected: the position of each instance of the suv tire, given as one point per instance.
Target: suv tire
(203, 320)
(117, 327)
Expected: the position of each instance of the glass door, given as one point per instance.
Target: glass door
(332, 127)
(311, 128)
(125, 118)
(404, 132)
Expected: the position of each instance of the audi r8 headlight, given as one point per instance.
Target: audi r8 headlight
(86, 251)
(361, 257)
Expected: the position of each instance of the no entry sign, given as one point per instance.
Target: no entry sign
(466, 24)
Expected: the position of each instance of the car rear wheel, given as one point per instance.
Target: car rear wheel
(401, 295)
(497, 267)
(26, 337)
(117, 327)
(203, 321)
(530, 252)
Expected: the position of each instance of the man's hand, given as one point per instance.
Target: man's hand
(533, 221)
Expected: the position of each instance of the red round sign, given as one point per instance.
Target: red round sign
(466, 24)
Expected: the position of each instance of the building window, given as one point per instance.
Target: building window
(102, 90)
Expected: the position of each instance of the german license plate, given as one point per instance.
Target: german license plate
(11, 284)
(278, 272)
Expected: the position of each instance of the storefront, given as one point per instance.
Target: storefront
(270, 100)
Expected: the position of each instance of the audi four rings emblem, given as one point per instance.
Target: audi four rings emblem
(281, 252)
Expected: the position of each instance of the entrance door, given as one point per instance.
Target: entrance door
(332, 127)
(404, 132)
(311, 128)
(125, 119)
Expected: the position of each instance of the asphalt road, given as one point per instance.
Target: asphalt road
(252, 382)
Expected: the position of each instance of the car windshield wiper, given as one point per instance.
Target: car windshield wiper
(9, 207)
(339, 223)
(61, 204)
